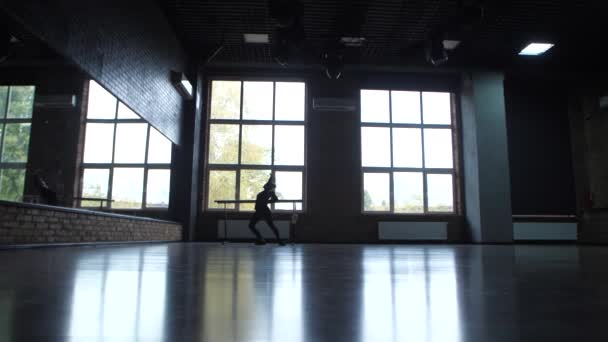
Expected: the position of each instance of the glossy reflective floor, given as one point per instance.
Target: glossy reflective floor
(238, 292)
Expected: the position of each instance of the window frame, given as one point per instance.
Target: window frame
(454, 171)
(208, 167)
(4, 120)
(113, 165)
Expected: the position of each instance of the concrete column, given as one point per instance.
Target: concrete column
(487, 185)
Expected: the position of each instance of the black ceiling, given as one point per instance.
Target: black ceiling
(395, 30)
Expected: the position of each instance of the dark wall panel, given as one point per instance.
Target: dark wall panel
(542, 176)
(127, 46)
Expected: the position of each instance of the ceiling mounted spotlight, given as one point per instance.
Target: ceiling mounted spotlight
(333, 62)
(436, 53)
(289, 32)
(352, 41)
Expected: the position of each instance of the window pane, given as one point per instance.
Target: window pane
(157, 190)
(11, 184)
(130, 143)
(374, 106)
(408, 192)
(127, 188)
(376, 146)
(407, 147)
(290, 101)
(289, 145)
(405, 107)
(225, 99)
(102, 104)
(94, 185)
(436, 108)
(98, 143)
(256, 148)
(438, 148)
(289, 186)
(159, 149)
(257, 101)
(252, 182)
(21, 102)
(376, 192)
(223, 144)
(125, 112)
(3, 100)
(222, 186)
(16, 143)
(440, 193)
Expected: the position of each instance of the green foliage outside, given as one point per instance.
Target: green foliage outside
(3, 100)
(15, 103)
(226, 102)
(21, 102)
(12, 182)
(224, 149)
(93, 191)
(16, 142)
(413, 205)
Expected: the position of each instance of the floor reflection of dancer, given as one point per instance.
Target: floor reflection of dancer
(262, 212)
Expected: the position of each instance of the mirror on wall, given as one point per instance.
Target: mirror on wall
(65, 140)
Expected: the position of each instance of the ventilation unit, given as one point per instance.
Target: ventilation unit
(55, 101)
(333, 104)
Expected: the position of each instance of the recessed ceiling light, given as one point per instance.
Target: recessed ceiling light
(450, 44)
(352, 41)
(256, 38)
(535, 49)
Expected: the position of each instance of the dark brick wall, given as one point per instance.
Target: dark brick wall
(33, 224)
(127, 46)
(54, 132)
(334, 189)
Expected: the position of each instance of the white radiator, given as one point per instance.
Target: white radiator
(558, 231)
(412, 230)
(238, 229)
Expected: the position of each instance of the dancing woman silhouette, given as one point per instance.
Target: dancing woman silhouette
(262, 212)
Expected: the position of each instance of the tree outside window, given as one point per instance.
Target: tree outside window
(255, 129)
(16, 108)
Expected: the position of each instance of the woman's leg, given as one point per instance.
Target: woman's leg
(254, 219)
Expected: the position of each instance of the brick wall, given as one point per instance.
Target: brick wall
(36, 224)
(127, 46)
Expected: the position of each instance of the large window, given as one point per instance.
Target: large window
(407, 152)
(16, 106)
(255, 129)
(126, 162)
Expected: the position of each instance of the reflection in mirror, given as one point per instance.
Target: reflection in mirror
(63, 134)
(130, 143)
(127, 187)
(137, 154)
(16, 103)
